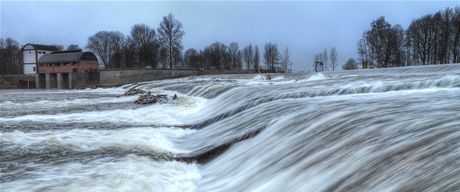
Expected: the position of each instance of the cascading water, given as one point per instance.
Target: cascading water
(370, 130)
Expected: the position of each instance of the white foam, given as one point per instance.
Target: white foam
(146, 115)
(44, 104)
(131, 173)
(113, 90)
(258, 78)
(146, 138)
(316, 77)
(158, 114)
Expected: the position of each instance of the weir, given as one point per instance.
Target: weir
(370, 130)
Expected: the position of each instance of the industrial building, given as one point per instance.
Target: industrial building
(31, 53)
(67, 70)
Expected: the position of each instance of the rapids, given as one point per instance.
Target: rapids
(367, 130)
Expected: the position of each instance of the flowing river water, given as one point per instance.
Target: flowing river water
(373, 130)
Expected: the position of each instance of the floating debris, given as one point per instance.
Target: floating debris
(150, 99)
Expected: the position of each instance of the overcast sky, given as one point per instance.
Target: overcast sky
(305, 27)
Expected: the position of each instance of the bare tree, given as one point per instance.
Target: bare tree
(163, 57)
(350, 65)
(170, 37)
(321, 60)
(256, 58)
(382, 44)
(107, 45)
(9, 56)
(193, 59)
(100, 44)
(248, 56)
(235, 55)
(444, 39)
(271, 56)
(325, 60)
(73, 47)
(364, 51)
(455, 45)
(285, 60)
(177, 57)
(430, 39)
(129, 56)
(333, 58)
(118, 41)
(421, 34)
(239, 60)
(145, 44)
(216, 56)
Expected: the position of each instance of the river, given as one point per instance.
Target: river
(369, 130)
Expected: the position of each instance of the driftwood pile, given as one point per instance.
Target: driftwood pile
(149, 99)
(134, 91)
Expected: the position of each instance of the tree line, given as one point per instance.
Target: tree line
(162, 48)
(9, 56)
(143, 47)
(147, 47)
(429, 39)
(231, 57)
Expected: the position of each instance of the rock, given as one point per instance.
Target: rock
(150, 99)
(134, 91)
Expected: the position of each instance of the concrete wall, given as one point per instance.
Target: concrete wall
(219, 72)
(30, 68)
(40, 81)
(83, 80)
(119, 77)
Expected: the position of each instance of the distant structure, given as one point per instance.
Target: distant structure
(67, 70)
(318, 66)
(31, 53)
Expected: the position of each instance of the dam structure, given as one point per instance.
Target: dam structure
(390, 130)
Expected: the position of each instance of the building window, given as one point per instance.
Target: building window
(30, 52)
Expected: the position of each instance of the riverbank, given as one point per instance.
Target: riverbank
(117, 77)
(16, 81)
